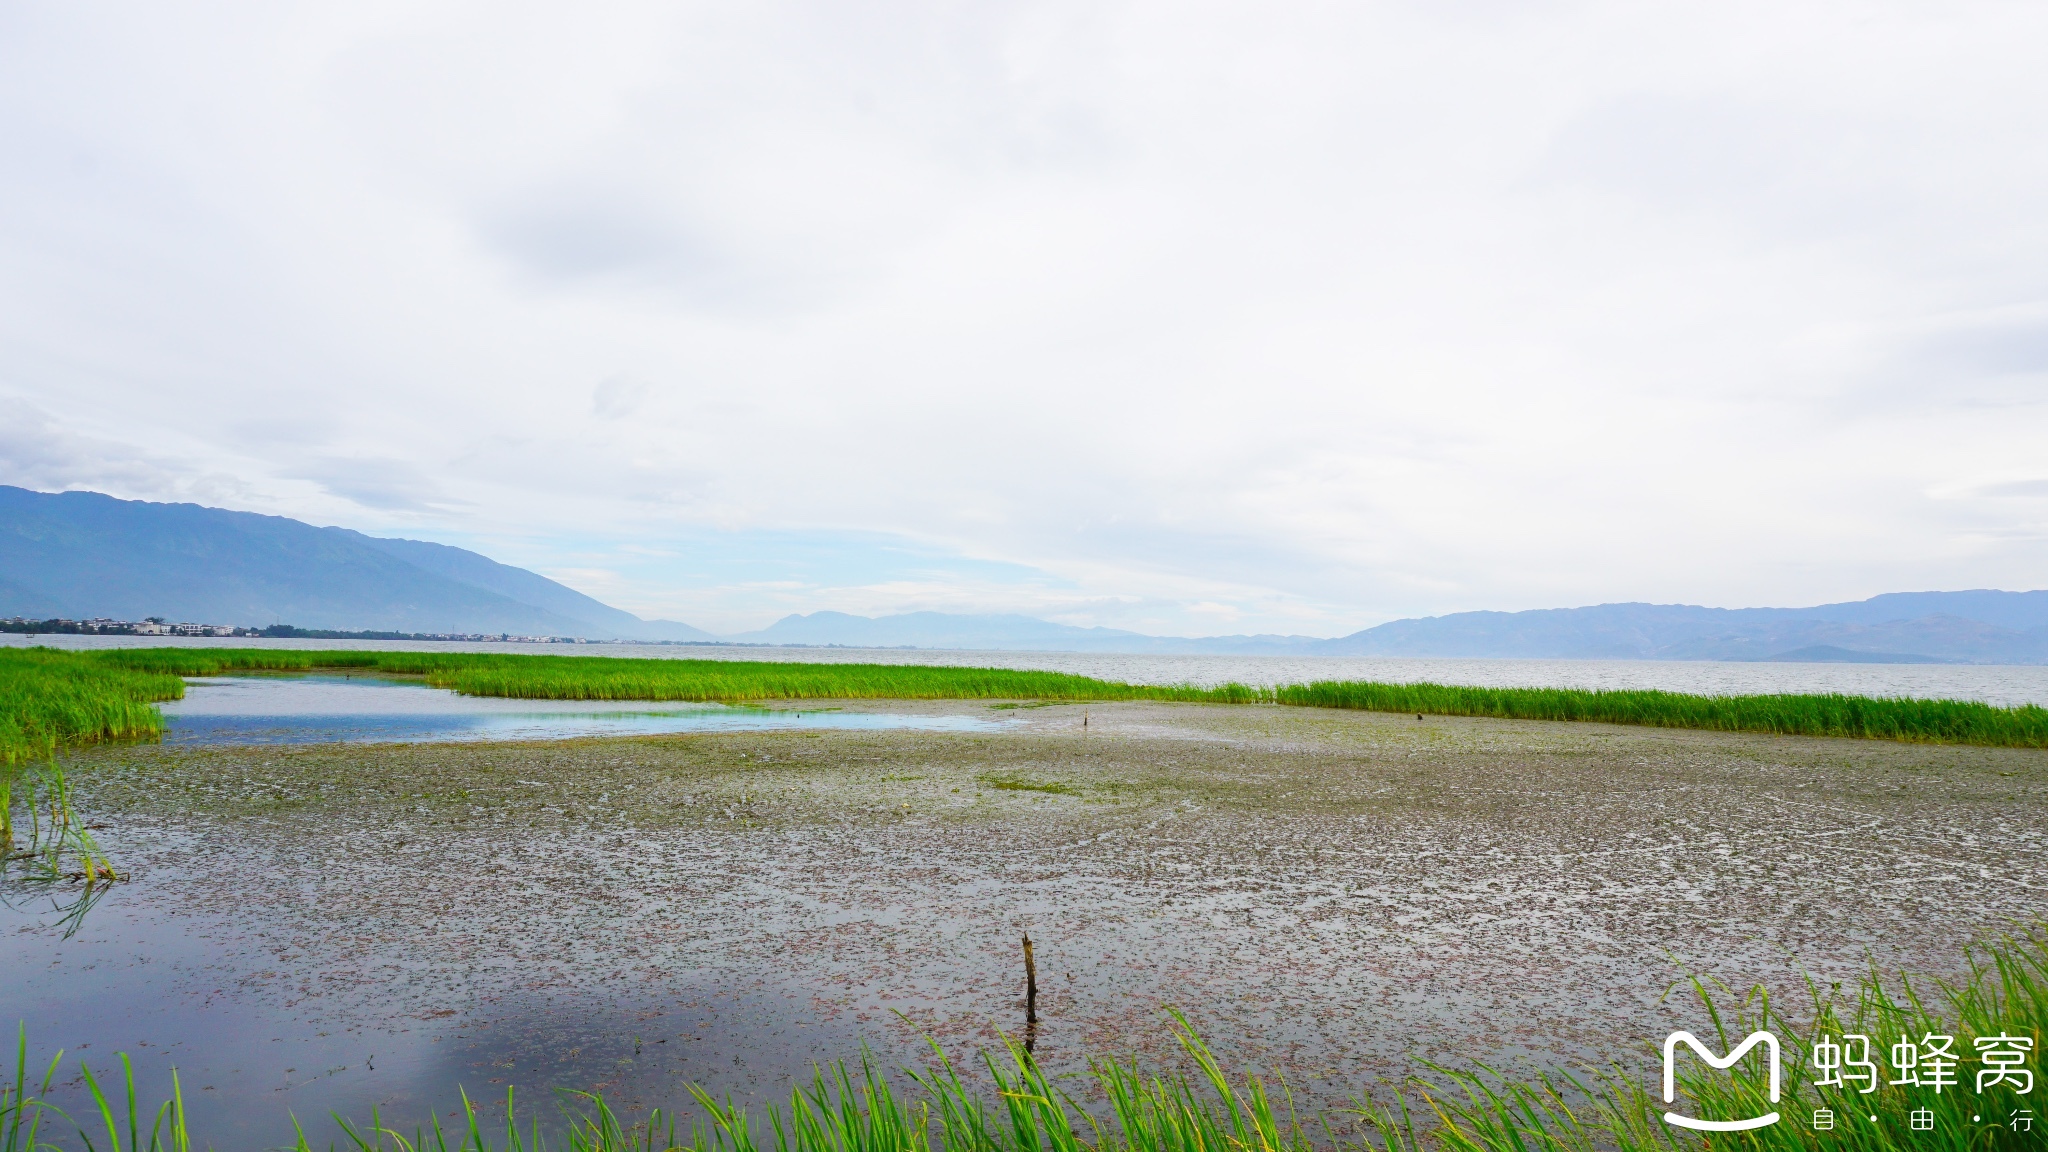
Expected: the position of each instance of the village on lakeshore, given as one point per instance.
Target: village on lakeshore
(157, 626)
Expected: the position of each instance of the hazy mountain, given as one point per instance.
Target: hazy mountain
(1982, 626)
(1879, 630)
(1607, 631)
(2017, 611)
(518, 584)
(1829, 654)
(16, 600)
(926, 630)
(82, 554)
(995, 632)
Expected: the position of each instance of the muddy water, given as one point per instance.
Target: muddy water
(1327, 894)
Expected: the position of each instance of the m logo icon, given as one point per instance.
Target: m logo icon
(1671, 1044)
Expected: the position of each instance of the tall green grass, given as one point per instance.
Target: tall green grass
(49, 698)
(1926, 721)
(1122, 1107)
(597, 678)
(611, 678)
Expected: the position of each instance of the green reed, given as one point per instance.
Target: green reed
(49, 698)
(1121, 1107)
(613, 678)
(1925, 721)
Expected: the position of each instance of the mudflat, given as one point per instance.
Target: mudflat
(1327, 894)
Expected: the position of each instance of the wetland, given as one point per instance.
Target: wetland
(1325, 893)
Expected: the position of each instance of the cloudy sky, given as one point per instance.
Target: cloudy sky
(1184, 318)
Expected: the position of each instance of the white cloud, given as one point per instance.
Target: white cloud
(37, 452)
(1295, 319)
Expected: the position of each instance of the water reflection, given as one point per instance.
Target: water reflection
(206, 996)
(343, 708)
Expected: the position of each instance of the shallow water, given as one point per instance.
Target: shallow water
(314, 927)
(1993, 684)
(325, 709)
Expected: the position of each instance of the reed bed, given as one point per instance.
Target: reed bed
(612, 678)
(1120, 1107)
(49, 697)
(722, 680)
(1921, 721)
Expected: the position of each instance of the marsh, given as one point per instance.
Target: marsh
(1326, 894)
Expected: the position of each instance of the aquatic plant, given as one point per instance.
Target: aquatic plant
(858, 1108)
(167, 1129)
(58, 837)
(1010, 784)
(59, 848)
(22, 1107)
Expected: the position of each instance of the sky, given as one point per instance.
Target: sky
(1185, 318)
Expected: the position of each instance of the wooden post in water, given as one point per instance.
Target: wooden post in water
(1030, 983)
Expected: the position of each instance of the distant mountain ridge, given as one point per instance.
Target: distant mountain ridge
(82, 554)
(1980, 626)
(1901, 627)
(996, 631)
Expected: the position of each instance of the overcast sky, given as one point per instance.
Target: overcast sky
(1183, 318)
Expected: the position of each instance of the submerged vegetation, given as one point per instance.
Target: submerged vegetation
(49, 697)
(48, 844)
(1121, 1107)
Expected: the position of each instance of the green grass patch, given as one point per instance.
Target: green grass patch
(1926, 721)
(48, 698)
(1012, 784)
(612, 678)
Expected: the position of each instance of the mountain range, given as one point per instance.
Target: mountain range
(82, 554)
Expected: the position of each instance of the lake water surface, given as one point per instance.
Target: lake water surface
(340, 708)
